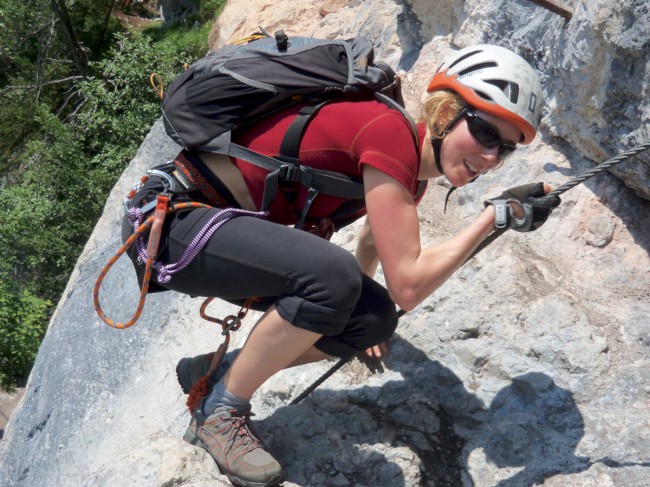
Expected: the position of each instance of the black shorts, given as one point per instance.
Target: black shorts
(313, 283)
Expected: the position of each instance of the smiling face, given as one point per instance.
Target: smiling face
(464, 158)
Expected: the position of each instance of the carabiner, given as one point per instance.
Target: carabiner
(230, 323)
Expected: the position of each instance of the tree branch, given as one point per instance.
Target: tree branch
(39, 85)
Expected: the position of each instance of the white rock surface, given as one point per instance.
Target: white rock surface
(528, 367)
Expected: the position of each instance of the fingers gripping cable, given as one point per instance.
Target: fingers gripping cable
(524, 208)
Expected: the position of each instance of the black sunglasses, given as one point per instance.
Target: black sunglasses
(487, 134)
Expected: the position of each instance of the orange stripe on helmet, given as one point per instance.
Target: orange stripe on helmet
(441, 81)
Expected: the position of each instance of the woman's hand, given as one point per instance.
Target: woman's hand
(524, 208)
(378, 351)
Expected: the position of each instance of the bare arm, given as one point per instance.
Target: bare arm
(366, 252)
(413, 273)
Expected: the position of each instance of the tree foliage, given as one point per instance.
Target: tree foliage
(74, 127)
(21, 315)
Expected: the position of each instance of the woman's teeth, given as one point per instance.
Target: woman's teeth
(471, 168)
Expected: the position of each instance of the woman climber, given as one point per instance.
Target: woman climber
(321, 301)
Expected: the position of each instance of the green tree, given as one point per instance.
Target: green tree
(70, 137)
(22, 318)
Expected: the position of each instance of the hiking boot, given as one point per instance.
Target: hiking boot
(191, 369)
(226, 435)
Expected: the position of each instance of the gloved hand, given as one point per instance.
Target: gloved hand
(524, 208)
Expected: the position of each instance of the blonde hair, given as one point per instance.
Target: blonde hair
(438, 109)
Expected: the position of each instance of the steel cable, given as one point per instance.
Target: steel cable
(623, 156)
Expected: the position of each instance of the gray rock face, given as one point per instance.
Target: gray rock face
(597, 73)
(595, 68)
(528, 367)
(175, 11)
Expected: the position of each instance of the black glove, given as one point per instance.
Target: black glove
(524, 208)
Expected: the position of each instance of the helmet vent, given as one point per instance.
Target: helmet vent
(472, 53)
(477, 67)
(510, 90)
(484, 95)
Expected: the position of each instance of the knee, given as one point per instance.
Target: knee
(323, 299)
(374, 321)
(376, 316)
(339, 282)
(382, 320)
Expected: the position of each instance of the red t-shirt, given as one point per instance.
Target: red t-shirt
(341, 137)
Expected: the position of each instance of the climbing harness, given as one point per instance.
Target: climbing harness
(623, 156)
(148, 254)
(175, 179)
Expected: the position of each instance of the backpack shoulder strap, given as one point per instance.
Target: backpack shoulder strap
(390, 103)
(290, 147)
(327, 182)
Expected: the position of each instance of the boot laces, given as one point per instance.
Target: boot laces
(241, 435)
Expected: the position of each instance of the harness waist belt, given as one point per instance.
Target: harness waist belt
(190, 169)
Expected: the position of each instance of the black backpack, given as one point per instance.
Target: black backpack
(237, 85)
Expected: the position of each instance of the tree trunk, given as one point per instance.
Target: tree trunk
(76, 50)
(111, 6)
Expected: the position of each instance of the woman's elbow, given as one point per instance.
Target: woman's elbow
(405, 296)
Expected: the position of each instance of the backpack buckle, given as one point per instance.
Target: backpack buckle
(281, 40)
(290, 173)
(289, 169)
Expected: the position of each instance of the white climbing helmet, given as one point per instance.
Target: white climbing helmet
(497, 81)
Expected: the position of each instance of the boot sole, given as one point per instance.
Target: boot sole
(184, 373)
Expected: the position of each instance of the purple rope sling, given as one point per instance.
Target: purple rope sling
(165, 271)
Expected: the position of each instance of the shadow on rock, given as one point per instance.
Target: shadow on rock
(422, 429)
(533, 424)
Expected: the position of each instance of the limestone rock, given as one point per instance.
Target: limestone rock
(600, 232)
(332, 6)
(595, 68)
(241, 20)
(175, 11)
(528, 367)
